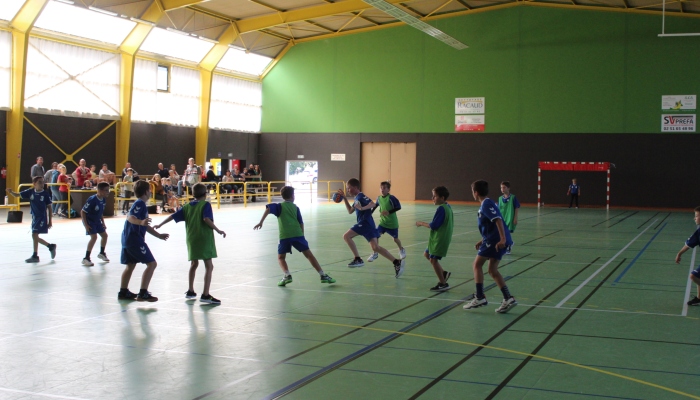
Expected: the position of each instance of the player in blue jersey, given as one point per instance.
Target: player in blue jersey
(40, 205)
(574, 191)
(495, 238)
(94, 222)
(134, 247)
(693, 241)
(362, 207)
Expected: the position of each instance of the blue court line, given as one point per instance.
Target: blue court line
(637, 256)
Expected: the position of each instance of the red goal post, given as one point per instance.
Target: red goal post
(572, 166)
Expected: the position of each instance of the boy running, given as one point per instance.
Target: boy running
(388, 222)
(40, 205)
(94, 222)
(440, 237)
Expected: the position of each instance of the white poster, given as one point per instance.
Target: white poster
(678, 123)
(470, 123)
(470, 105)
(684, 103)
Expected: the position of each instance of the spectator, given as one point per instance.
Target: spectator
(134, 173)
(174, 178)
(228, 178)
(82, 174)
(128, 189)
(258, 172)
(38, 168)
(211, 175)
(189, 178)
(159, 189)
(64, 179)
(55, 192)
(162, 171)
(49, 174)
(106, 175)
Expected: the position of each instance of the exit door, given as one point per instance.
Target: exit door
(393, 162)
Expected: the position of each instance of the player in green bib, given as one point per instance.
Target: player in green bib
(508, 205)
(199, 225)
(291, 228)
(388, 221)
(440, 236)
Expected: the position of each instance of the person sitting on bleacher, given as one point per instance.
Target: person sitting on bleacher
(106, 175)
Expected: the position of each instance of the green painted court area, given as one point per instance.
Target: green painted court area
(601, 314)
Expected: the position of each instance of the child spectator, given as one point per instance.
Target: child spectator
(693, 241)
(199, 228)
(574, 191)
(291, 229)
(365, 227)
(508, 205)
(94, 222)
(40, 205)
(65, 181)
(128, 189)
(134, 247)
(388, 222)
(440, 237)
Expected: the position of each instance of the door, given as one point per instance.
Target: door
(393, 162)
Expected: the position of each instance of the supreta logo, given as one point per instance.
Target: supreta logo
(679, 119)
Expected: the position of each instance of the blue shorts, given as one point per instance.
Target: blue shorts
(137, 254)
(40, 225)
(696, 272)
(299, 243)
(393, 232)
(432, 256)
(491, 252)
(368, 231)
(95, 229)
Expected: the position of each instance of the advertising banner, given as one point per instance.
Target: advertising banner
(470, 123)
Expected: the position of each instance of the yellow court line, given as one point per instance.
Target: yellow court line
(554, 360)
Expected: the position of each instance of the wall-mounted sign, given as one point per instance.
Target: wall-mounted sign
(470, 105)
(470, 123)
(678, 123)
(300, 156)
(337, 157)
(681, 103)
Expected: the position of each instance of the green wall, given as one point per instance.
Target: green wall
(540, 69)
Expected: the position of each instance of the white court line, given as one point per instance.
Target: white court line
(55, 396)
(600, 310)
(584, 283)
(690, 284)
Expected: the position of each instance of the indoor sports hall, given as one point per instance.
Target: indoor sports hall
(591, 111)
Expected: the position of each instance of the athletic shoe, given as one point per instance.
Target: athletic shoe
(440, 287)
(285, 280)
(399, 268)
(87, 262)
(103, 257)
(32, 259)
(325, 278)
(508, 249)
(356, 263)
(694, 302)
(507, 305)
(126, 295)
(475, 303)
(372, 257)
(209, 299)
(190, 295)
(446, 275)
(146, 297)
(52, 250)
(402, 253)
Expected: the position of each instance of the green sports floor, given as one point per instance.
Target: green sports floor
(601, 314)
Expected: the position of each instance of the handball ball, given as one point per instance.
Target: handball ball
(337, 197)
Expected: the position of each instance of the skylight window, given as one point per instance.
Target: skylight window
(236, 59)
(9, 8)
(176, 44)
(77, 21)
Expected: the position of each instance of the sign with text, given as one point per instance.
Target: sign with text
(678, 123)
(681, 103)
(470, 105)
(337, 157)
(470, 123)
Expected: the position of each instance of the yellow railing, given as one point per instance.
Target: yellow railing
(232, 196)
(28, 185)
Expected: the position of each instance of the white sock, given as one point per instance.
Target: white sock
(286, 273)
(321, 272)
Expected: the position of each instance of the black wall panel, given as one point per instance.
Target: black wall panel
(648, 167)
(225, 142)
(154, 143)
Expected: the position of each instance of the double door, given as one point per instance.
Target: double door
(393, 162)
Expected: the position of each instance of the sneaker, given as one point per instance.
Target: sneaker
(146, 297)
(692, 302)
(126, 295)
(402, 253)
(325, 278)
(508, 249)
(508, 304)
(32, 259)
(400, 268)
(446, 275)
(123, 212)
(440, 287)
(209, 299)
(356, 263)
(190, 295)
(475, 303)
(372, 257)
(87, 262)
(285, 280)
(103, 257)
(52, 250)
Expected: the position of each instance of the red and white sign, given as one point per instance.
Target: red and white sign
(470, 123)
(678, 123)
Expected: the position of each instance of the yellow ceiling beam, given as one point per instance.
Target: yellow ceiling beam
(136, 37)
(276, 60)
(21, 25)
(211, 60)
(175, 4)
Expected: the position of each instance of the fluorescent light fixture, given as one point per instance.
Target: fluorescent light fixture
(99, 10)
(65, 1)
(142, 21)
(208, 40)
(9, 8)
(176, 44)
(80, 22)
(239, 60)
(414, 22)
